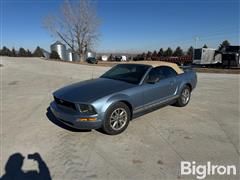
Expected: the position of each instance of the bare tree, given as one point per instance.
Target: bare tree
(76, 25)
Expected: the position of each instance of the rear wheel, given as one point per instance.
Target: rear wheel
(184, 98)
(117, 119)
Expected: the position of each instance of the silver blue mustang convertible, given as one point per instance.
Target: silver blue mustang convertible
(112, 100)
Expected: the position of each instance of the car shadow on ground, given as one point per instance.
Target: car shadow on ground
(13, 168)
(55, 121)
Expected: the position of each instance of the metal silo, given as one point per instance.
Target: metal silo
(69, 55)
(60, 49)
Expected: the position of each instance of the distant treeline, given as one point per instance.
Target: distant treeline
(178, 52)
(21, 52)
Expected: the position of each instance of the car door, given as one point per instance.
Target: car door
(162, 90)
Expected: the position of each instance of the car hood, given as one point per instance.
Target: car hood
(91, 90)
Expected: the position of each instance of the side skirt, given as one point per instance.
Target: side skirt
(153, 107)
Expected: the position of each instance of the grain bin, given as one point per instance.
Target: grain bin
(69, 55)
(60, 49)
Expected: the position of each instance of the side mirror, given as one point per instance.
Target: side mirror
(153, 79)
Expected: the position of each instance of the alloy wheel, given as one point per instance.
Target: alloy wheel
(185, 96)
(118, 119)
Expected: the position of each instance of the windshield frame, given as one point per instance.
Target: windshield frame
(140, 81)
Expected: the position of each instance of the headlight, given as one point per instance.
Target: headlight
(87, 109)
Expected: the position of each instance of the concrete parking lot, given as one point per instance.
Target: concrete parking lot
(153, 145)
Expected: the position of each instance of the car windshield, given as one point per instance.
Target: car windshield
(131, 73)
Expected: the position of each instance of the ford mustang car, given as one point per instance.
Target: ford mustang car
(112, 100)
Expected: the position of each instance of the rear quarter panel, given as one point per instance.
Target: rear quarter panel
(188, 77)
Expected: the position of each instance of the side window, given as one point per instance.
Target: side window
(168, 72)
(162, 72)
(157, 72)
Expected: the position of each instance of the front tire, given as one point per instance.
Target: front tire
(117, 119)
(185, 96)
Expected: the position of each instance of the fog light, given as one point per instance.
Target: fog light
(87, 119)
(92, 119)
(82, 119)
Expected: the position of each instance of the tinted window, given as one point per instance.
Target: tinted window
(197, 53)
(169, 72)
(156, 72)
(162, 72)
(131, 73)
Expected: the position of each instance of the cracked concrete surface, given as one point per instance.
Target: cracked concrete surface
(153, 145)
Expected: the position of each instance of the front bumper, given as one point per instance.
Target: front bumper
(72, 119)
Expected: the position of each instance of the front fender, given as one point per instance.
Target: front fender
(112, 100)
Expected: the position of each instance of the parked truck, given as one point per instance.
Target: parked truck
(227, 57)
(230, 56)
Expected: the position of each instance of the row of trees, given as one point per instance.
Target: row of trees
(38, 52)
(21, 52)
(178, 52)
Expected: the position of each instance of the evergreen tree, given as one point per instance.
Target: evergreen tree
(160, 52)
(143, 56)
(154, 55)
(54, 55)
(168, 52)
(110, 58)
(190, 51)
(13, 54)
(224, 43)
(29, 53)
(205, 46)
(149, 55)
(22, 52)
(38, 52)
(5, 51)
(178, 52)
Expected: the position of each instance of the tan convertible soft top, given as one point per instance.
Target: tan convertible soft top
(160, 63)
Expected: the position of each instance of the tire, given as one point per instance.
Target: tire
(115, 123)
(184, 98)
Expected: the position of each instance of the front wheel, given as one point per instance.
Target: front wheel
(184, 98)
(117, 119)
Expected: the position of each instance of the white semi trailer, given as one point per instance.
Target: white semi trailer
(206, 56)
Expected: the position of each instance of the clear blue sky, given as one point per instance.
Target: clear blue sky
(130, 25)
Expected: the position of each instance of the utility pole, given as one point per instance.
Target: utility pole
(196, 38)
